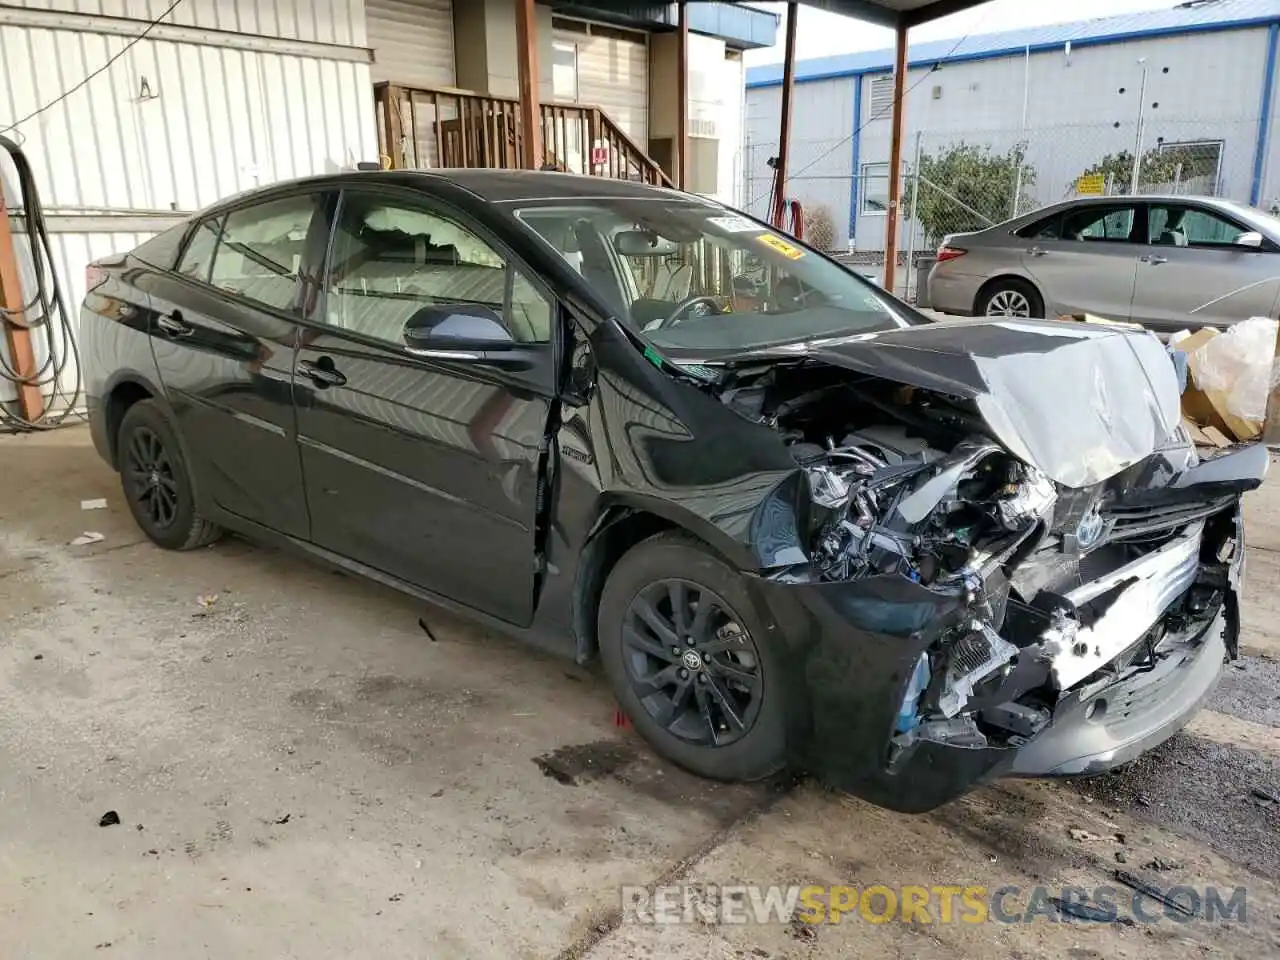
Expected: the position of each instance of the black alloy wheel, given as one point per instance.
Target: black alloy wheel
(691, 663)
(157, 481)
(149, 473)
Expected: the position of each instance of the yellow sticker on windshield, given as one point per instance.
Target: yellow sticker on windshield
(784, 248)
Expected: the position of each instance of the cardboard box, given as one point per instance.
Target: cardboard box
(1208, 408)
(1191, 344)
(1217, 437)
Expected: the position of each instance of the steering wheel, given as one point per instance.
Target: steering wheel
(791, 294)
(708, 305)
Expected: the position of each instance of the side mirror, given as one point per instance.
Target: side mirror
(457, 331)
(1252, 240)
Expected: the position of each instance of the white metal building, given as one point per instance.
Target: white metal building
(190, 102)
(1068, 93)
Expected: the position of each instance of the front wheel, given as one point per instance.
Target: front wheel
(1011, 298)
(157, 482)
(690, 663)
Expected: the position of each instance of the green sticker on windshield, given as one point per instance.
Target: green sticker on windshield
(652, 356)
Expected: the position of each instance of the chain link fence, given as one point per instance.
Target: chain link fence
(958, 180)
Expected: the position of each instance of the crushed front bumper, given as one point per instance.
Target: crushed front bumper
(1098, 729)
(1101, 726)
(852, 648)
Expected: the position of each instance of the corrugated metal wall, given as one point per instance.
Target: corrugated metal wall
(319, 21)
(821, 148)
(412, 41)
(71, 253)
(181, 119)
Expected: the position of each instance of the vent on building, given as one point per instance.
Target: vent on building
(881, 97)
(564, 23)
(702, 128)
(570, 25)
(937, 93)
(617, 33)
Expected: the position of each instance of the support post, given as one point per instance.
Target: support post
(682, 93)
(527, 65)
(17, 339)
(895, 160)
(1271, 428)
(915, 211)
(784, 133)
(393, 120)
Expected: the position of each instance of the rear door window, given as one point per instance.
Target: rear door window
(259, 254)
(1105, 224)
(1049, 228)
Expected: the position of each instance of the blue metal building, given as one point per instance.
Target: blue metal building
(1199, 77)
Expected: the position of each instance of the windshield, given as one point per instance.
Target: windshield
(696, 277)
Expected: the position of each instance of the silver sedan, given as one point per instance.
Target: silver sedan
(1168, 263)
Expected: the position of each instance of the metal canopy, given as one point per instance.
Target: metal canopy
(894, 13)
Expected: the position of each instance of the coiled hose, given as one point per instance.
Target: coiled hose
(46, 312)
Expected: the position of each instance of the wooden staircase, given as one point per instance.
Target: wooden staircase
(423, 128)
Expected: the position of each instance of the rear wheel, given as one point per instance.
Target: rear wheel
(1010, 297)
(688, 661)
(156, 481)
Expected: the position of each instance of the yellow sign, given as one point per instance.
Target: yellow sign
(1093, 186)
(784, 248)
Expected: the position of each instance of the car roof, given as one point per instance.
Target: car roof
(491, 186)
(1152, 198)
(504, 186)
(1053, 209)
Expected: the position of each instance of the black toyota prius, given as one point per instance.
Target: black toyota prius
(796, 524)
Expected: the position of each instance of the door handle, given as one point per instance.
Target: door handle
(1154, 260)
(173, 325)
(1036, 252)
(322, 373)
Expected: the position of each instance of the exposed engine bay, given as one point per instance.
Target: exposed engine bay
(1062, 591)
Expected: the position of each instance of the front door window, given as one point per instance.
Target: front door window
(390, 258)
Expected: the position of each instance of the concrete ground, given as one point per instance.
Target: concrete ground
(301, 771)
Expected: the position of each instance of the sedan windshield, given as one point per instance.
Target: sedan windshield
(693, 276)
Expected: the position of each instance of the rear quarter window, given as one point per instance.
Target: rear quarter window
(162, 249)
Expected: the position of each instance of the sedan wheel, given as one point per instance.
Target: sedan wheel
(149, 475)
(689, 661)
(1008, 303)
(1010, 297)
(156, 480)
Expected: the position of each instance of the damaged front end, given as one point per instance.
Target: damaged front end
(973, 616)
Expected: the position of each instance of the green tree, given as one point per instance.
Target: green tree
(969, 187)
(1159, 168)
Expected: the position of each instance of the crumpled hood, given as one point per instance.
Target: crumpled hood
(1079, 402)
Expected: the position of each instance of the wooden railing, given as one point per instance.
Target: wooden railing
(442, 127)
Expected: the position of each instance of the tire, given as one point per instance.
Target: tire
(736, 673)
(1013, 292)
(157, 482)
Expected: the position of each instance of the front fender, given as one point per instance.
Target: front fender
(757, 525)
